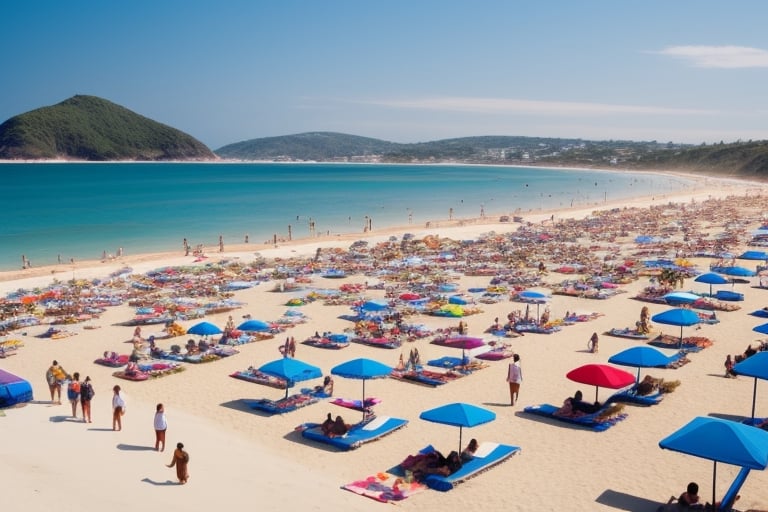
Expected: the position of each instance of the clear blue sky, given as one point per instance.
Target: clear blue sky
(401, 70)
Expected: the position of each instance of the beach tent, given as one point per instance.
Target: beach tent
(13, 390)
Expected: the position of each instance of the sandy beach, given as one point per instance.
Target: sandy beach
(246, 459)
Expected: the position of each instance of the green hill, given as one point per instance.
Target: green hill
(91, 128)
(742, 159)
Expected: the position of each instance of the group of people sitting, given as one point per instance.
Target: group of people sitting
(435, 463)
(334, 428)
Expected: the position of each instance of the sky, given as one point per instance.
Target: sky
(224, 71)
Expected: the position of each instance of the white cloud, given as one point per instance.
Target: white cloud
(506, 106)
(728, 57)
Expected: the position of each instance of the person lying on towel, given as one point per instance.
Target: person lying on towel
(432, 463)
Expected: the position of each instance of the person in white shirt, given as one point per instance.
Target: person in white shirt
(515, 378)
(161, 425)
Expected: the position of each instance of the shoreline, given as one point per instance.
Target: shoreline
(491, 221)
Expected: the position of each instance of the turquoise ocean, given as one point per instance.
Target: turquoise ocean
(81, 210)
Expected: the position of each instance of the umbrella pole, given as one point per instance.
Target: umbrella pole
(362, 404)
(596, 389)
(460, 428)
(754, 396)
(714, 480)
(681, 337)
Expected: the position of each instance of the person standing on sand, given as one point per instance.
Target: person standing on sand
(181, 461)
(86, 395)
(73, 392)
(54, 376)
(118, 409)
(515, 378)
(161, 425)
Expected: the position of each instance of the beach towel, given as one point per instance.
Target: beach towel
(426, 377)
(590, 421)
(257, 377)
(356, 404)
(284, 405)
(385, 487)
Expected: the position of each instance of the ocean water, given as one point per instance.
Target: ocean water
(81, 210)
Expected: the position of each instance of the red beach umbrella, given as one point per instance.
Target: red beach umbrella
(601, 375)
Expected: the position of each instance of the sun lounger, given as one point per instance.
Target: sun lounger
(630, 396)
(487, 456)
(591, 421)
(255, 376)
(284, 405)
(358, 434)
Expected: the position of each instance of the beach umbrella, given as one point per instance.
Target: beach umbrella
(374, 305)
(753, 255)
(641, 356)
(720, 440)
(601, 376)
(535, 297)
(291, 370)
(673, 298)
(362, 369)
(459, 415)
(736, 271)
(678, 316)
(253, 325)
(711, 278)
(462, 342)
(204, 329)
(754, 366)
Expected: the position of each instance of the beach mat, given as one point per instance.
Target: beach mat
(385, 487)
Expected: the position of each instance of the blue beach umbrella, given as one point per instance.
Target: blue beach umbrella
(754, 366)
(736, 271)
(253, 325)
(362, 369)
(753, 255)
(642, 356)
(459, 415)
(762, 328)
(678, 316)
(204, 329)
(720, 440)
(535, 297)
(711, 278)
(292, 370)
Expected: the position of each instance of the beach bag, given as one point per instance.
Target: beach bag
(50, 377)
(73, 390)
(86, 392)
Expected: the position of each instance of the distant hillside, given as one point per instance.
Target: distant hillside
(743, 159)
(91, 128)
(317, 146)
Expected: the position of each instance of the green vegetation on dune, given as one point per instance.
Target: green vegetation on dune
(91, 128)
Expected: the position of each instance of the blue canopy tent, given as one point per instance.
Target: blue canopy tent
(641, 356)
(459, 415)
(725, 441)
(292, 370)
(754, 366)
(678, 316)
(362, 369)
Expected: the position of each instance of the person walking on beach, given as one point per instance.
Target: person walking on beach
(515, 378)
(118, 409)
(86, 395)
(161, 425)
(181, 461)
(593, 341)
(73, 392)
(54, 375)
